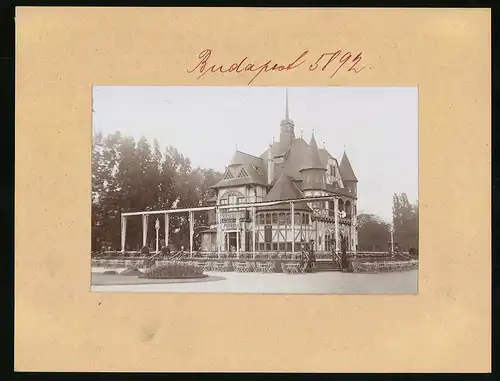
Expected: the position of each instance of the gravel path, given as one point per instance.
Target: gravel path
(256, 283)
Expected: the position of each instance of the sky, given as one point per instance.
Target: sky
(376, 126)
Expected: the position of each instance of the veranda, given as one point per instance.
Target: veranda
(252, 208)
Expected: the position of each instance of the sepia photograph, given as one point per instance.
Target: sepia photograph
(257, 190)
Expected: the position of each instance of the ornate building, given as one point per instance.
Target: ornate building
(288, 169)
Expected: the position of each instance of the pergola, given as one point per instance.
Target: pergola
(218, 208)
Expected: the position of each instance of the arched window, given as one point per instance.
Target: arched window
(232, 198)
(281, 218)
(274, 218)
(341, 205)
(268, 218)
(261, 218)
(348, 210)
(288, 219)
(297, 219)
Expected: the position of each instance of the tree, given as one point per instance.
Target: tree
(105, 190)
(129, 176)
(405, 221)
(373, 233)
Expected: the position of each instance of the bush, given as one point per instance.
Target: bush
(110, 272)
(145, 250)
(413, 252)
(174, 269)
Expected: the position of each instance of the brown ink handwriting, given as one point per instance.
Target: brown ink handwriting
(335, 61)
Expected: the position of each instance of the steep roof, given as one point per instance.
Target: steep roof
(253, 167)
(243, 158)
(285, 189)
(324, 155)
(293, 159)
(345, 168)
(312, 158)
(242, 175)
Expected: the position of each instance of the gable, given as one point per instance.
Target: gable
(228, 175)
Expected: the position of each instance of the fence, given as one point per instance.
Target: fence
(385, 266)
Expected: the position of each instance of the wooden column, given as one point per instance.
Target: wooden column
(218, 227)
(278, 231)
(293, 226)
(237, 239)
(144, 229)
(191, 222)
(167, 224)
(123, 232)
(254, 222)
(337, 240)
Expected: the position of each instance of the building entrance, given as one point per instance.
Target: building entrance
(232, 241)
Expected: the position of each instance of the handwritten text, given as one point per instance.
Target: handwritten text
(333, 62)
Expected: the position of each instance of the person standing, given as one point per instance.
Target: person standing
(312, 259)
(345, 262)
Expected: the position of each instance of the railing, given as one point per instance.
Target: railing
(264, 265)
(242, 254)
(233, 215)
(330, 214)
(117, 263)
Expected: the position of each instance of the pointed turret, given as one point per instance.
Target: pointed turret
(346, 171)
(312, 169)
(312, 159)
(287, 131)
(347, 174)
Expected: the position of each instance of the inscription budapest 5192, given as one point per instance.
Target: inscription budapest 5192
(329, 62)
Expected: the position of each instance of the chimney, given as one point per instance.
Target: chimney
(270, 165)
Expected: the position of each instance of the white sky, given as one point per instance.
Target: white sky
(378, 126)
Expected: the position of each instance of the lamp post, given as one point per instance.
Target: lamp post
(157, 227)
(353, 238)
(238, 238)
(392, 239)
(223, 229)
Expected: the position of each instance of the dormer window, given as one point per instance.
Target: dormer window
(228, 175)
(332, 171)
(243, 173)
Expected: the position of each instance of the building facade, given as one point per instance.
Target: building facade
(288, 169)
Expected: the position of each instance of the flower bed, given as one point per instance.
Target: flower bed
(172, 270)
(132, 271)
(384, 266)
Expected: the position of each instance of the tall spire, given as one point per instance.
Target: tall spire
(287, 114)
(287, 131)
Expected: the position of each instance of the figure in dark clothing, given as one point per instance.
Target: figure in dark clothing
(345, 262)
(312, 261)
